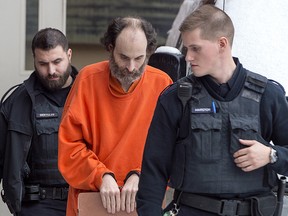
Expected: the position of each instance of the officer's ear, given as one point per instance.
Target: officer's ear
(223, 43)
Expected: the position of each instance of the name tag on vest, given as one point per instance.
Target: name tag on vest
(46, 115)
(202, 110)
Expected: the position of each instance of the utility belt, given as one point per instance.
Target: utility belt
(262, 205)
(36, 192)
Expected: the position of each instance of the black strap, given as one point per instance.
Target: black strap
(184, 93)
(213, 205)
(6, 93)
(54, 193)
(39, 193)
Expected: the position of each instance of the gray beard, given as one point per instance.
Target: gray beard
(125, 77)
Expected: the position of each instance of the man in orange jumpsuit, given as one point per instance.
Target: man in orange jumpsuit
(107, 115)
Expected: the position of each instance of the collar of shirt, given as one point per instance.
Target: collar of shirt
(224, 90)
(116, 87)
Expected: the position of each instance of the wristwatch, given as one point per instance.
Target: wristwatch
(273, 156)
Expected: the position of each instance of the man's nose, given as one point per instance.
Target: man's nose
(51, 69)
(189, 56)
(131, 66)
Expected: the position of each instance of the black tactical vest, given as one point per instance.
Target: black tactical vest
(204, 162)
(43, 154)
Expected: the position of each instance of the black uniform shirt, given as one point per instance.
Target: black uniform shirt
(162, 135)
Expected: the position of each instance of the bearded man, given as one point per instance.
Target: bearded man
(29, 121)
(107, 116)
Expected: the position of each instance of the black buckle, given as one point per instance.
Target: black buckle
(42, 193)
(229, 207)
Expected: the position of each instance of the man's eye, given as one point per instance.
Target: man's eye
(124, 58)
(57, 61)
(195, 49)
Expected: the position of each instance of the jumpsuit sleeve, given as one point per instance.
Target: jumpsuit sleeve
(77, 162)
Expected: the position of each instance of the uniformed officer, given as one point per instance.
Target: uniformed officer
(211, 134)
(29, 122)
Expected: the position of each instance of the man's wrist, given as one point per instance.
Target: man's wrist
(273, 155)
(131, 173)
(111, 174)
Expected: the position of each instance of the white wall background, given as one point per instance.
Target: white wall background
(10, 38)
(10, 20)
(261, 38)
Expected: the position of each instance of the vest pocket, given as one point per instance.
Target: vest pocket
(243, 127)
(47, 117)
(206, 135)
(47, 125)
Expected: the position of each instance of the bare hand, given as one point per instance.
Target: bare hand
(128, 194)
(256, 155)
(110, 194)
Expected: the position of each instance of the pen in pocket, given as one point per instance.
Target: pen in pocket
(213, 107)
